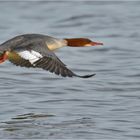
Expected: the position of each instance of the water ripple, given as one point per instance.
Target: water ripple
(36, 104)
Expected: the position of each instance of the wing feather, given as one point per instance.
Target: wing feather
(14, 58)
(54, 66)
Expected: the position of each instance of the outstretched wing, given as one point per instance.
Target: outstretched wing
(38, 55)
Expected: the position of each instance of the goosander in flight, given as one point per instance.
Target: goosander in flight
(36, 50)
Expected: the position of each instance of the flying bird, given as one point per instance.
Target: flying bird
(37, 51)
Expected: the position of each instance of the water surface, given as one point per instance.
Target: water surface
(37, 104)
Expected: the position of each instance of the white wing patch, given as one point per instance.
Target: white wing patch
(32, 56)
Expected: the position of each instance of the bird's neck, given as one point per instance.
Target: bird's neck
(56, 44)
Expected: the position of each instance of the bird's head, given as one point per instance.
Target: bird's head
(81, 42)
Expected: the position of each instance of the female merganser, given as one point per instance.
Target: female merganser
(35, 50)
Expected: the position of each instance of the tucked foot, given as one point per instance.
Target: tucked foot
(3, 57)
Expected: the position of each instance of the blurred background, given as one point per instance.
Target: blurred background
(37, 104)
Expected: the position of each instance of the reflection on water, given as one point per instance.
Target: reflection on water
(31, 115)
(22, 121)
(37, 104)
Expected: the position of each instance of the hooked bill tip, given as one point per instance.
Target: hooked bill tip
(96, 43)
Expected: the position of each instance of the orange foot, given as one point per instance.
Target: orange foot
(3, 57)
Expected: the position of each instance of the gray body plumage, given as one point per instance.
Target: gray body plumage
(26, 39)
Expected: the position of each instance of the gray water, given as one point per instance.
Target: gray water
(37, 104)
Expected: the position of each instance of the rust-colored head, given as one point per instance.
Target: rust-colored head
(81, 42)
